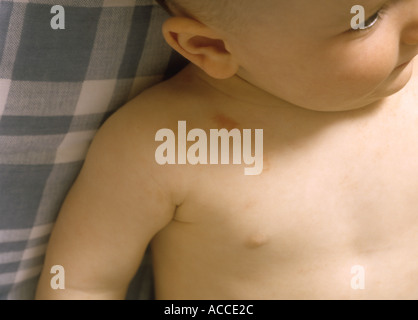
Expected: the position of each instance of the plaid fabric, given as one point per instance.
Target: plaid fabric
(56, 88)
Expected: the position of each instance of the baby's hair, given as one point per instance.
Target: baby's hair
(192, 7)
(164, 5)
(220, 13)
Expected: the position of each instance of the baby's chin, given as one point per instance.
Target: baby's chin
(398, 79)
(347, 106)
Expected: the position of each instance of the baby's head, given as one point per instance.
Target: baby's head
(301, 51)
(211, 12)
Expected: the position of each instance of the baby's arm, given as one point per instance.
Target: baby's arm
(110, 215)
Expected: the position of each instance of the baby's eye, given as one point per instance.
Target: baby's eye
(372, 20)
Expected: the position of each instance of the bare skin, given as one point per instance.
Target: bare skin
(338, 189)
(336, 192)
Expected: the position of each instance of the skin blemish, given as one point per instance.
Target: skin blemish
(225, 122)
(250, 204)
(256, 241)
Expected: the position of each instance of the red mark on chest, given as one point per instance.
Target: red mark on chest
(225, 122)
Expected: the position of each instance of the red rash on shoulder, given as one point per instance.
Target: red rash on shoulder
(225, 122)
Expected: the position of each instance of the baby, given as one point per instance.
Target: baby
(332, 213)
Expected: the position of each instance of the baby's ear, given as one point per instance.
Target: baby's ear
(200, 45)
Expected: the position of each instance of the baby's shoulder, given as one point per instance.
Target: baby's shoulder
(129, 136)
(162, 106)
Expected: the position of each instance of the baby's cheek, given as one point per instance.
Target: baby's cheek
(366, 66)
(364, 75)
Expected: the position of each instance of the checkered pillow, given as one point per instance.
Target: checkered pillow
(56, 88)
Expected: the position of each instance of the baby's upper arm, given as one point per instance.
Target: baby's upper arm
(113, 210)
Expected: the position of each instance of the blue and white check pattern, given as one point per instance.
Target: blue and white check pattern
(56, 88)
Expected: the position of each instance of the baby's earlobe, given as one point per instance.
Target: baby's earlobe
(221, 69)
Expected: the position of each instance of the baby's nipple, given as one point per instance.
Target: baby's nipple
(256, 241)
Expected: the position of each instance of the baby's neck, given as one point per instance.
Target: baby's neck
(255, 108)
(238, 89)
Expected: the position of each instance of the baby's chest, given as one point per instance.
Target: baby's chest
(336, 195)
